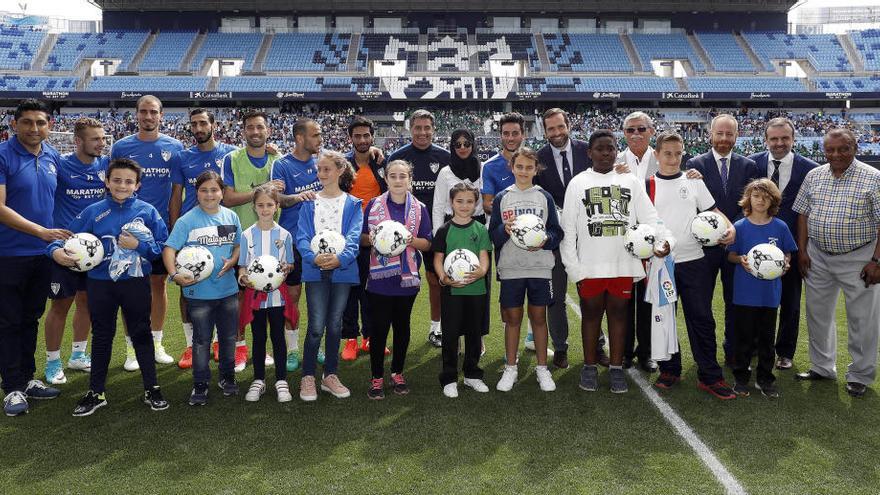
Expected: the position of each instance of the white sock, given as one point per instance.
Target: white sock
(214, 338)
(157, 336)
(80, 346)
(188, 334)
(128, 341)
(53, 355)
(435, 326)
(292, 339)
(511, 367)
(241, 343)
(541, 367)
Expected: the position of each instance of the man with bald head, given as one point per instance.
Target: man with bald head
(838, 226)
(726, 174)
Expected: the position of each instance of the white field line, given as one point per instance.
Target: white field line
(727, 480)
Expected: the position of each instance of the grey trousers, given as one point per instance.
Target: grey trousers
(557, 313)
(827, 276)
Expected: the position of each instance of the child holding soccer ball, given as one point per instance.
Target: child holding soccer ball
(463, 302)
(755, 301)
(328, 276)
(525, 272)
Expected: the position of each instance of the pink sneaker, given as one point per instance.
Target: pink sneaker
(307, 390)
(331, 383)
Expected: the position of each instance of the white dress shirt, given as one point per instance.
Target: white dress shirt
(785, 167)
(557, 157)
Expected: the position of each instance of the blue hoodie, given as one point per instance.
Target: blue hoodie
(105, 219)
(352, 223)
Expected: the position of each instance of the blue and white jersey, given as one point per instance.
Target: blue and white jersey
(79, 185)
(298, 176)
(188, 164)
(218, 233)
(496, 175)
(275, 242)
(154, 157)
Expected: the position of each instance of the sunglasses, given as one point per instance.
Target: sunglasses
(463, 144)
(630, 130)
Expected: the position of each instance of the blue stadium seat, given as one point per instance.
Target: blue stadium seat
(156, 83)
(11, 82)
(848, 84)
(867, 42)
(724, 52)
(18, 46)
(376, 46)
(298, 84)
(597, 84)
(745, 84)
(71, 48)
(507, 47)
(229, 46)
(167, 51)
(308, 52)
(823, 51)
(665, 47)
(586, 53)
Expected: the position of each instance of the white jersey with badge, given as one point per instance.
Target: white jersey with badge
(678, 200)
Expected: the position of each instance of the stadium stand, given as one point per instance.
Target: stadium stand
(724, 52)
(71, 48)
(375, 46)
(592, 84)
(507, 47)
(18, 47)
(140, 83)
(777, 84)
(167, 51)
(851, 84)
(308, 52)
(823, 51)
(229, 46)
(586, 53)
(448, 53)
(13, 82)
(298, 84)
(867, 43)
(665, 47)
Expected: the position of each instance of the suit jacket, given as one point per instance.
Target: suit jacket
(653, 166)
(741, 171)
(549, 179)
(799, 168)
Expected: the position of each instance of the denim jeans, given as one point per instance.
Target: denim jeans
(205, 314)
(326, 302)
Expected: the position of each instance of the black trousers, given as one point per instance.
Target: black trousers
(716, 260)
(754, 323)
(462, 315)
(24, 287)
(389, 312)
(789, 311)
(639, 325)
(275, 319)
(357, 299)
(105, 299)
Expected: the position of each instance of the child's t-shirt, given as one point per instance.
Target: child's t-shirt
(328, 213)
(275, 242)
(475, 238)
(748, 290)
(219, 233)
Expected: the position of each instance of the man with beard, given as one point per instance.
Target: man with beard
(496, 172)
(153, 151)
(243, 170)
(427, 159)
(726, 174)
(186, 166)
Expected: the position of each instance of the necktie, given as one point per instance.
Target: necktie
(566, 168)
(724, 174)
(775, 176)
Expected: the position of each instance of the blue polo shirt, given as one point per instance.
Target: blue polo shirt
(496, 175)
(79, 185)
(187, 165)
(30, 190)
(298, 176)
(154, 157)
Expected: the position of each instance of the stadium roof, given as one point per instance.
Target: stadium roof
(403, 6)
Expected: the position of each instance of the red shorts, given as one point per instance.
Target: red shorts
(620, 287)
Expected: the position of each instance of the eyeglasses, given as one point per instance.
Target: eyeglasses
(641, 129)
(463, 144)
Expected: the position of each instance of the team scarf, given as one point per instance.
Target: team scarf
(662, 295)
(406, 263)
(128, 261)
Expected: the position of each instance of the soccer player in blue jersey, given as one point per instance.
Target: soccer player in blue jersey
(28, 173)
(427, 159)
(153, 151)
(186, 166)
(80, 184)
(496, 173)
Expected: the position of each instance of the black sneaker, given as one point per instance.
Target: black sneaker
(741, 389)
(667, 381)
(89, 403)
(398, 384)
(199, 395)
(153, 398)
(618, 381)
(376, 391)
(856, 389)
(435, 339)
(768, 390)
(228, 386)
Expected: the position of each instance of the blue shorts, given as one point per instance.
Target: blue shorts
(65, 282)
(295, 275)
(514, 291)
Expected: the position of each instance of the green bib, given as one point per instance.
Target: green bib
(247, 177)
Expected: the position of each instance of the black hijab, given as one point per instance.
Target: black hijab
(469, 168)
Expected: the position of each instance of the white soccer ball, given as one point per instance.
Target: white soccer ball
(328, 242)
(639, 240)
(87, 249)
(459, 263)
(390, 238)
(766, 261)
(528, 231)
(265, 273)
(196, 261)
(708, 228)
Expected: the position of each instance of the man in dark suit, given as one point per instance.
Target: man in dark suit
(726, 174)
(787, 170)
(563, 158)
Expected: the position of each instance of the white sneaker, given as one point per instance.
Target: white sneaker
(131, 361)
(476, 384)
(545, 379)
(451, 390)
(162, 357)
(508, 379)
(257, 389)
(80, 361)
(270, 361)
(283, 391)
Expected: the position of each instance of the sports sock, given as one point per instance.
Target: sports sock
(128, 341)
(292, 339)
(188, 334)
(80, 346)
(53, 355)
(241, 343)
(157, 336)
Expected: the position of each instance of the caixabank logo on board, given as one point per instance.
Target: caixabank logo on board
(210, 95)
(684, 95)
